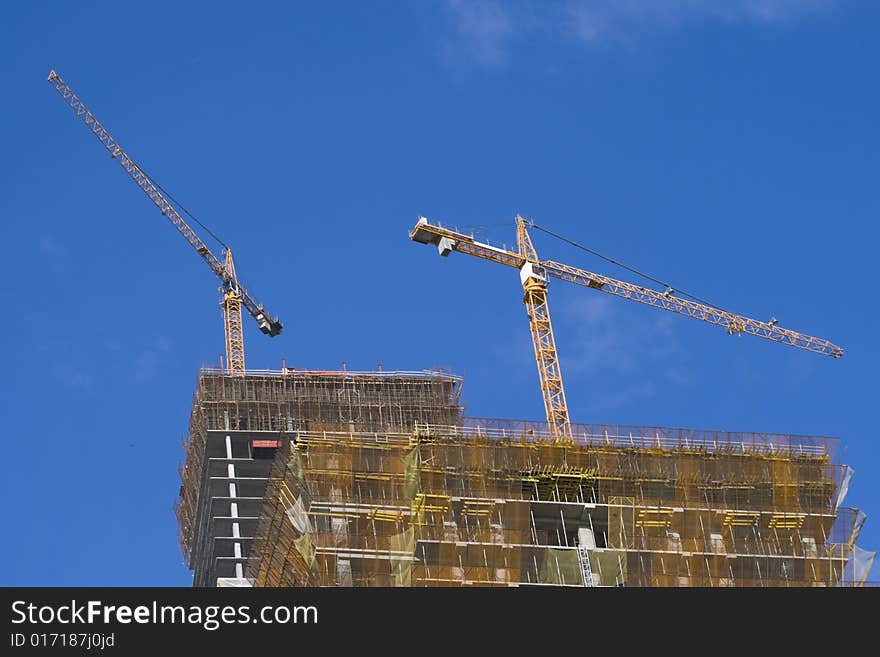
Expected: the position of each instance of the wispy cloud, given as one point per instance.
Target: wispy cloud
(594, 22)
(55, 255)
(147, 363)
(637, 359)
(484, 31)
(86, 372)
(50, 248)
(74, 378)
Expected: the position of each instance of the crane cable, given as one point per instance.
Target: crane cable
(668, 287)
(181, 206)
(476, 230)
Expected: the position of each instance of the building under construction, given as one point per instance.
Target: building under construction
(378, 479)
(304, 478)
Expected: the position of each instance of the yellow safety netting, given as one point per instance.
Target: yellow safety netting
(411, 474)
(608, 567)
(561, 567)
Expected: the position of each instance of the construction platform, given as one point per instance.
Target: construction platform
(297, 478)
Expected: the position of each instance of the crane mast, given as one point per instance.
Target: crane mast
(233, 295)
(534, 282)
(231, 304)
(534, 275)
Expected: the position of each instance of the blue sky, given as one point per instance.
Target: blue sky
(730, 148)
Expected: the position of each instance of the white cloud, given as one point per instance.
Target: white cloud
(598, 21)
(485, 30)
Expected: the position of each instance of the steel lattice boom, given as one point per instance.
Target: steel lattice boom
(427, 233)
(534, 274)
(234, 295)
(732, 322)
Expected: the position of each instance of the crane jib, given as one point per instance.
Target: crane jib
(427, 233)
(267, 324)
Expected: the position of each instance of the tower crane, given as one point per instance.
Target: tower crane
(534, 274)
(233, 294)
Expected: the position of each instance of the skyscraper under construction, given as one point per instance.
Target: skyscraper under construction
(378, 479)
(306, 478)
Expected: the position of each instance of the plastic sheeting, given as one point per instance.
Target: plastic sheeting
(402, 546)
(298, 517)
(296, 468)
(855, 573)
(234, 582)
(847, 526)
(843, 487)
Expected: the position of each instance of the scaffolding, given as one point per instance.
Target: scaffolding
(379, 479)
(290, 401)
(478, 504)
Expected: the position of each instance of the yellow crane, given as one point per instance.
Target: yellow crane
(534, 274)
(233, 295)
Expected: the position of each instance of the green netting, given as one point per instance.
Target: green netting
(411, 474)
(402, 548)
(306, 548)
(608, 567)
(561, 567)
